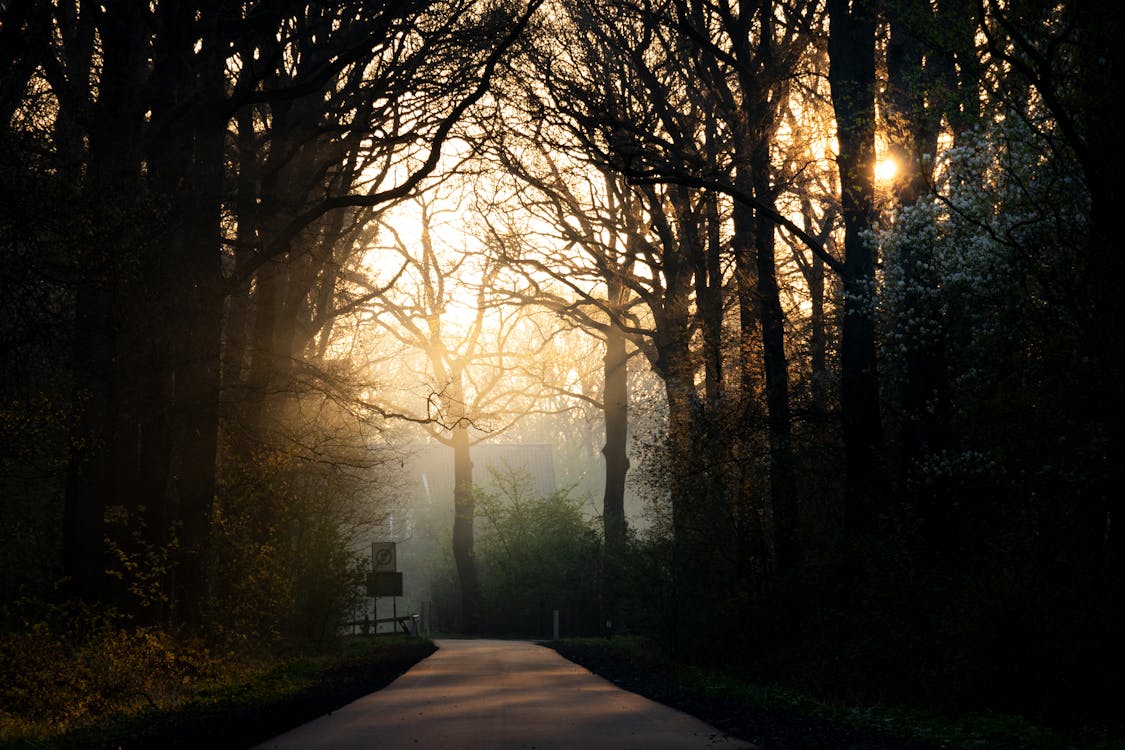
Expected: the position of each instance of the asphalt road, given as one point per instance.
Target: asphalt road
(503, 695)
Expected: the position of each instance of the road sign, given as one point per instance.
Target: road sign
(383, 557)
(384, 584)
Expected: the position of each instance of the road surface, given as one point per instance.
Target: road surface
(502, 695)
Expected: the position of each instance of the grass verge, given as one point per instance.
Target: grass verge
(254, 707)
(778, 717)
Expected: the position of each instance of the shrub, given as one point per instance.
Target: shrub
(77, 664)
(536, 555)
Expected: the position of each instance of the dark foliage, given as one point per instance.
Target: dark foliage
(237, 722)
(768, 729)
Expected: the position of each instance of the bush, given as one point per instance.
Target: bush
(282, 569)
(536, 555)
(77, 664)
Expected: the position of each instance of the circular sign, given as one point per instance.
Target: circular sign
(384, 556)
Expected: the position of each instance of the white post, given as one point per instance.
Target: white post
(555, 628)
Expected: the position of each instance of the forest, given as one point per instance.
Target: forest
(831, 283)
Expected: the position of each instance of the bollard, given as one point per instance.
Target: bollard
(555, 625)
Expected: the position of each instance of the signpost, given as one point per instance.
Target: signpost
(384, 580)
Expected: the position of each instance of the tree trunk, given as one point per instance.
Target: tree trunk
(190, 265)
(616, 409)
(783, 483)
(237, 319)
(104, 424)
(709, 299)
(683, 480)
(917, 76)
(88, 465)
(818, 336)
(851, 75)
(197, 355)
(464, 510)
(753, 533)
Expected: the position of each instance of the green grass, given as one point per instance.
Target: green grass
(967, 731)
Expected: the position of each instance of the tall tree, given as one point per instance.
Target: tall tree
(851, 73)
(445, 312)
(745, 56)
(142, 99)
(574, 271)
(924, 50)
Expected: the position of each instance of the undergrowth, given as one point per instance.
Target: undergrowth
(80, 678)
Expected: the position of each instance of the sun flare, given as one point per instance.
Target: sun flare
(886, 169)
